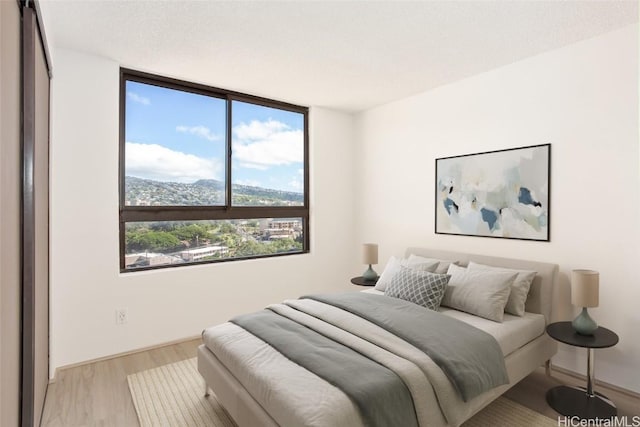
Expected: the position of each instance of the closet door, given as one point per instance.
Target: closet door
(10, 231)
(35, 208)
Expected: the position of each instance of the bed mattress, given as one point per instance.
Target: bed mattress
(511, 334)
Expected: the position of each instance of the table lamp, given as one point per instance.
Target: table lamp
(584, 293)
(370, 256)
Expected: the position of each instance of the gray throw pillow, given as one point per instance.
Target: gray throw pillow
(419, 287)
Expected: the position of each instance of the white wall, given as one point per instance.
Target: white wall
(583, 99)
(86, 286)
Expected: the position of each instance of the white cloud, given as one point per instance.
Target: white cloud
(253, 166)
(153, 161)
(260, 145)
(200, 131)
(257, 130)
(138, 98)
(297, 182)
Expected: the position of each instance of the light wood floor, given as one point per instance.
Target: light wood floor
(97, 394)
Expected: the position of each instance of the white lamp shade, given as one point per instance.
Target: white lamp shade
(370, 253)
(585, 288)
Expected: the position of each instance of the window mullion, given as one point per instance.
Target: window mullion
(229, 172)
(153, 213)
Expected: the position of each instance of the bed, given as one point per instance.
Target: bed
(260, 386)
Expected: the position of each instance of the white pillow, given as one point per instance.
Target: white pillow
(480, 292)
(443, 264)
(393, 267)
(519, 288)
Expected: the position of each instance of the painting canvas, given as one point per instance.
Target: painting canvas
(501, 193)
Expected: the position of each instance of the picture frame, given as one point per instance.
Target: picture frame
(501, 194)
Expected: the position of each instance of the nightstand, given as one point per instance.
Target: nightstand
(361, 281)
(579, 401)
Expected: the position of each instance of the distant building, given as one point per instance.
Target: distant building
(191, 255)
(283, 229)
(149, 259)
(263, 223)
(277, 234)
(276, 229)
(286, 224)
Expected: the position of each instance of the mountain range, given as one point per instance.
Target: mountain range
(204, 192)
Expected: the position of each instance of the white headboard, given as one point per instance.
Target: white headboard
(539, 299)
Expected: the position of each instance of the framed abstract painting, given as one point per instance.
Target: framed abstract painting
(503, 193)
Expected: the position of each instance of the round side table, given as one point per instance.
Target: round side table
(580, 401)
(361, 281)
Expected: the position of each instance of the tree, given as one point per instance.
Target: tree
(227, 227)
(252, 247)
(153, 241)
(228, 240)
(285, 245)
(191, 233)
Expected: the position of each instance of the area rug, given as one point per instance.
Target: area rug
(173, 395)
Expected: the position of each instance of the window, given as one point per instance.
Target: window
(208, 175)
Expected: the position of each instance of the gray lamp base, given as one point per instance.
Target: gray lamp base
(584, 324)
(370, 274)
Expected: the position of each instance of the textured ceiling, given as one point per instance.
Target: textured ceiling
(347, 55)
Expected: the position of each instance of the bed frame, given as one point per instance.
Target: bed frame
(247, 412)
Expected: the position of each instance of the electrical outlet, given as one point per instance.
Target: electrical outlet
(121, 316)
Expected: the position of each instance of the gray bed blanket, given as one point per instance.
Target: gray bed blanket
(381, 396)
(471, 358)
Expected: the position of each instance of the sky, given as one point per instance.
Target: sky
(180, 137)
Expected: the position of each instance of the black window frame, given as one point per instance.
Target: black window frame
(195, 213)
